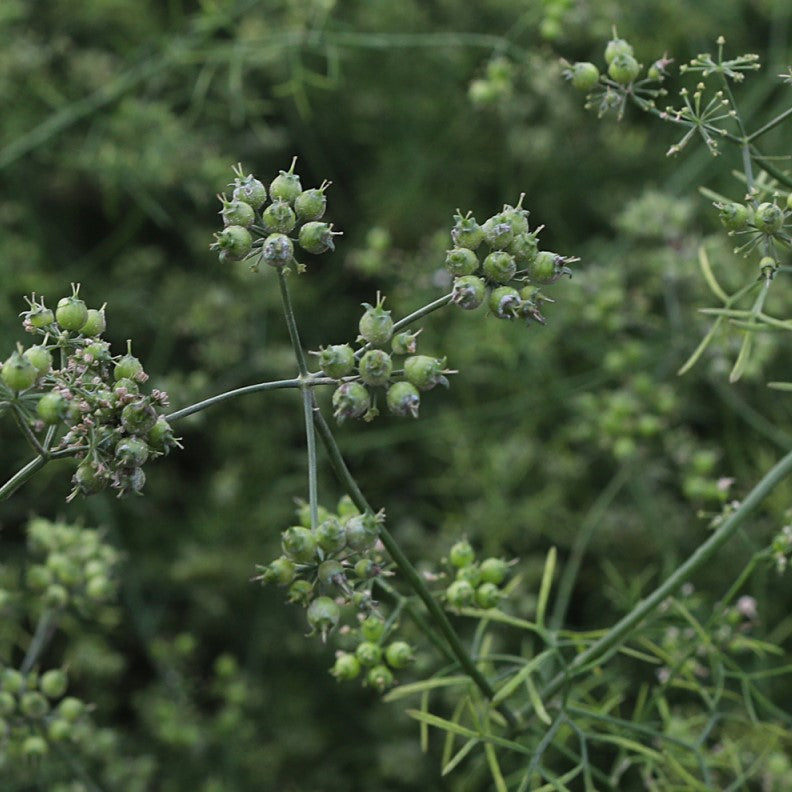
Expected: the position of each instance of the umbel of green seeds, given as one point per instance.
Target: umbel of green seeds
(376, 325)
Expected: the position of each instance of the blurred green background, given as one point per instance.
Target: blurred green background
(121, 121)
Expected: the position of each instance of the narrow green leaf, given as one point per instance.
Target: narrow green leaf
(755, 327)
(495, 771)
(443, 724)
(402, 691)
(448, 744)
(709, 276)
(462, 731)
(493, 614)
(504, 692)
(742, 358)
(782, 386)
(630, 745)
(459, 756)
(536, 701)
(423, 727)
(699, 351)
(544, 589)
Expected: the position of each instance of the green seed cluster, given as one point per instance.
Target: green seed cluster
(34, 713)
(508, 277)
(371, 366)
(371, 651)
(476, 584)
(83, 401)
(70, 567)
(622, 79)
(262, 226)
(495, 86)
(623, 420)
(761, 225)
(330, 571)
(75, 567)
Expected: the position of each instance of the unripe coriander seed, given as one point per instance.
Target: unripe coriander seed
(323, 615)
(583, 75)
(403, 399)
(468, 292)
(350, 400)
(375, 367)
(286, 185)
(376, 325)
(337, 361)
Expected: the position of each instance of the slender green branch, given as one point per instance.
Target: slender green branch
(21, 476)
(766, 165)
(307, 397)
(780, 118)
(20, 421)
(586, 531)
(619, 633)
(45, 629)
(405, 566)
(259, 386)
(440, 302)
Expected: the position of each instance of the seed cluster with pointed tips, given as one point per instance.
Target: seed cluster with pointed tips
(330, 570)
(370, 366)
(262, 226)
(510, 276)
(88, 403)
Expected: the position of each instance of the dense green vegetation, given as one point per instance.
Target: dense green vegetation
(121, 123)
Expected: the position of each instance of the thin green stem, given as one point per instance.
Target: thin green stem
(45, 629)
(307, 397)
(619, 633)
(20, 421)
(405, 566)
(780, 118)
(259, 386)
(440, 302)
(586, 531)
(21, 476)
